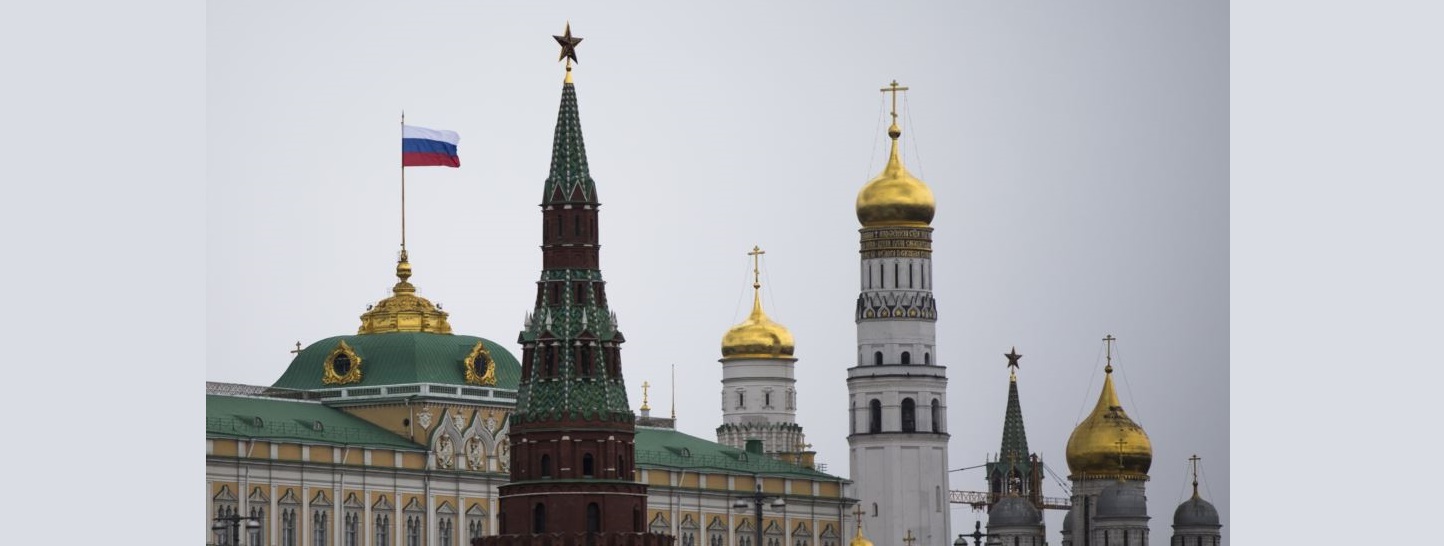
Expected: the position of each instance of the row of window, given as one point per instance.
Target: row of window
(582, 223)
(916, 276)
(551, 292)
(908, 421)
(351, 528)
(906, 358)
(591, 360)
(589, 466)
(766, 399)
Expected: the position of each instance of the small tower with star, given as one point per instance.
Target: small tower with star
(1015, 471)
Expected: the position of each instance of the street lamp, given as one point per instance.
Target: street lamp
(756, 501)
(977, 535)
(253, 527)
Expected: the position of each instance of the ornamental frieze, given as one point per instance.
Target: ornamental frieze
(896, 253)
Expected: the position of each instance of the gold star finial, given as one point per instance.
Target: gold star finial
(569, 48)
(1013, 358)
(894, 131)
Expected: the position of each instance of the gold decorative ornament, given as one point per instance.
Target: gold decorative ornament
(895, 197)
(758, 336)
(1108, 444)
(341, 367)
(479, 358)
(404, 311)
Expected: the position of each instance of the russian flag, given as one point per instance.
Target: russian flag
(422, 147)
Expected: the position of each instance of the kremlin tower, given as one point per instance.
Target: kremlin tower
(759, 392)
(572, 432)
(897, 390)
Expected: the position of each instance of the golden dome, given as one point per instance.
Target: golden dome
(1107, 443)
(404, 311)
(758, 336)
(895, 197)
(858, 539)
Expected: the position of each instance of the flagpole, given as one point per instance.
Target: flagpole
(403, 186)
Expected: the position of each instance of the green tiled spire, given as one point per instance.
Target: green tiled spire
(570, 340)
(1015, 440)
(569, 181)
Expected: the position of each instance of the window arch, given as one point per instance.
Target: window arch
(909, 415)
(539, 518)
(383, 529)
(588, 466)
(937, 416)
(874, 416)
(907, 358)
(546, 466)
(877, 358)
(927, 359)
(594, 518)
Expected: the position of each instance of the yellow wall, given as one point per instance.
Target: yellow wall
(827, 489)
(739, 483)
(322, 454)
(383, 458)
(772, 485)
(288, 452)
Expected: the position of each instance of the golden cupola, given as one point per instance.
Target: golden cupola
(895, 197)
(404, 311)
(758, 336)
(1107, 443)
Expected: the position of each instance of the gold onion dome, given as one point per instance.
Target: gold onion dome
(895, 197)
(1107, 443)
(404, 311)
(758, 336)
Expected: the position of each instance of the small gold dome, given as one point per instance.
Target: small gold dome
(758, 336)
(895, 197)
(1107, 443)
(859, 540)
(404, 311)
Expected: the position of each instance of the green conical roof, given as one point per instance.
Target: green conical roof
(570, 181)
(1015, 440)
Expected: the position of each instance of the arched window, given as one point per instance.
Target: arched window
(586, 360)
(288, 527)
(874, 509)
(852, 419)
(413, 531)
(383, 530)
(636, 519)
(767, 399)
(546, 466)
(594, 518)
(539, 518)
(928, 359)
(549, 355)
(874, 416)
(937, 416)
(588, 467)
(622, 470)
(741, 400)
(576, 226)
(877, 358)
(318, 528)
(907, 358)
(895, 283)
(909, 415)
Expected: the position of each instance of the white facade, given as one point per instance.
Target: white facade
(1105, 530)
(898, 393)
(759, 401)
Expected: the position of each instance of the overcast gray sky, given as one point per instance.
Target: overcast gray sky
(1078, 153)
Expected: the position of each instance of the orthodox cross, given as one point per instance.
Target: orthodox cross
(893, 88)
(756, 255)
(909, 538)
(1108, 344)
(569, 46)
(858, 513)
(1194, 461)
(298, 348)
(1120, 443)
(645, 386)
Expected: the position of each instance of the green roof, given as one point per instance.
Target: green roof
(399, 358)
(668, 448)
(295, 421)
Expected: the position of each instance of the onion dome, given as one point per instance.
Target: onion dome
(895, 197)
(404, 311)
(1195, 512)
(1107, 443)
(758, 336)
(858, 539)
(1013, 510)
(1122, 500)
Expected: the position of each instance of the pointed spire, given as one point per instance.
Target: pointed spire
(569, 180)
(1015, 439)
